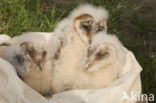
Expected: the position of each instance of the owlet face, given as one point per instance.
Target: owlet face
(24, 57)
(33, 54)
(87, 27)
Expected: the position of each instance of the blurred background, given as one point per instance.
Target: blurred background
(133, 21)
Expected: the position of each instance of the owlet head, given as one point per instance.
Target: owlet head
(36, 55)
(89, 20)
(24, 56)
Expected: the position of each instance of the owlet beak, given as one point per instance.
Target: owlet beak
(38, 61)
(39, 65)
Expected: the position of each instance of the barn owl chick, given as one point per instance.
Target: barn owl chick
(83, 22)
(29, 61)
(80, 27)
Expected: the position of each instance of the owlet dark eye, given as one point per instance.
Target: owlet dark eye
(86, 27)
(30, 52)
(100, 55)
(44, 53)
(20, 59)
(101, 28)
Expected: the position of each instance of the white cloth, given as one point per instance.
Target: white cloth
(14, 90)
(4, 37)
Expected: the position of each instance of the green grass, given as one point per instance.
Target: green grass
(133, 21)
(18, 16)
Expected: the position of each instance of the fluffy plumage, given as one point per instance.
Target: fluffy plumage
(105, 51)
(30, 61)
(81, 25)
(65, 50)
(86, 20)
(30, 48)
(69, 73)
(103, 59)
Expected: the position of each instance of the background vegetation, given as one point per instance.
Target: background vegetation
(133, 21)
